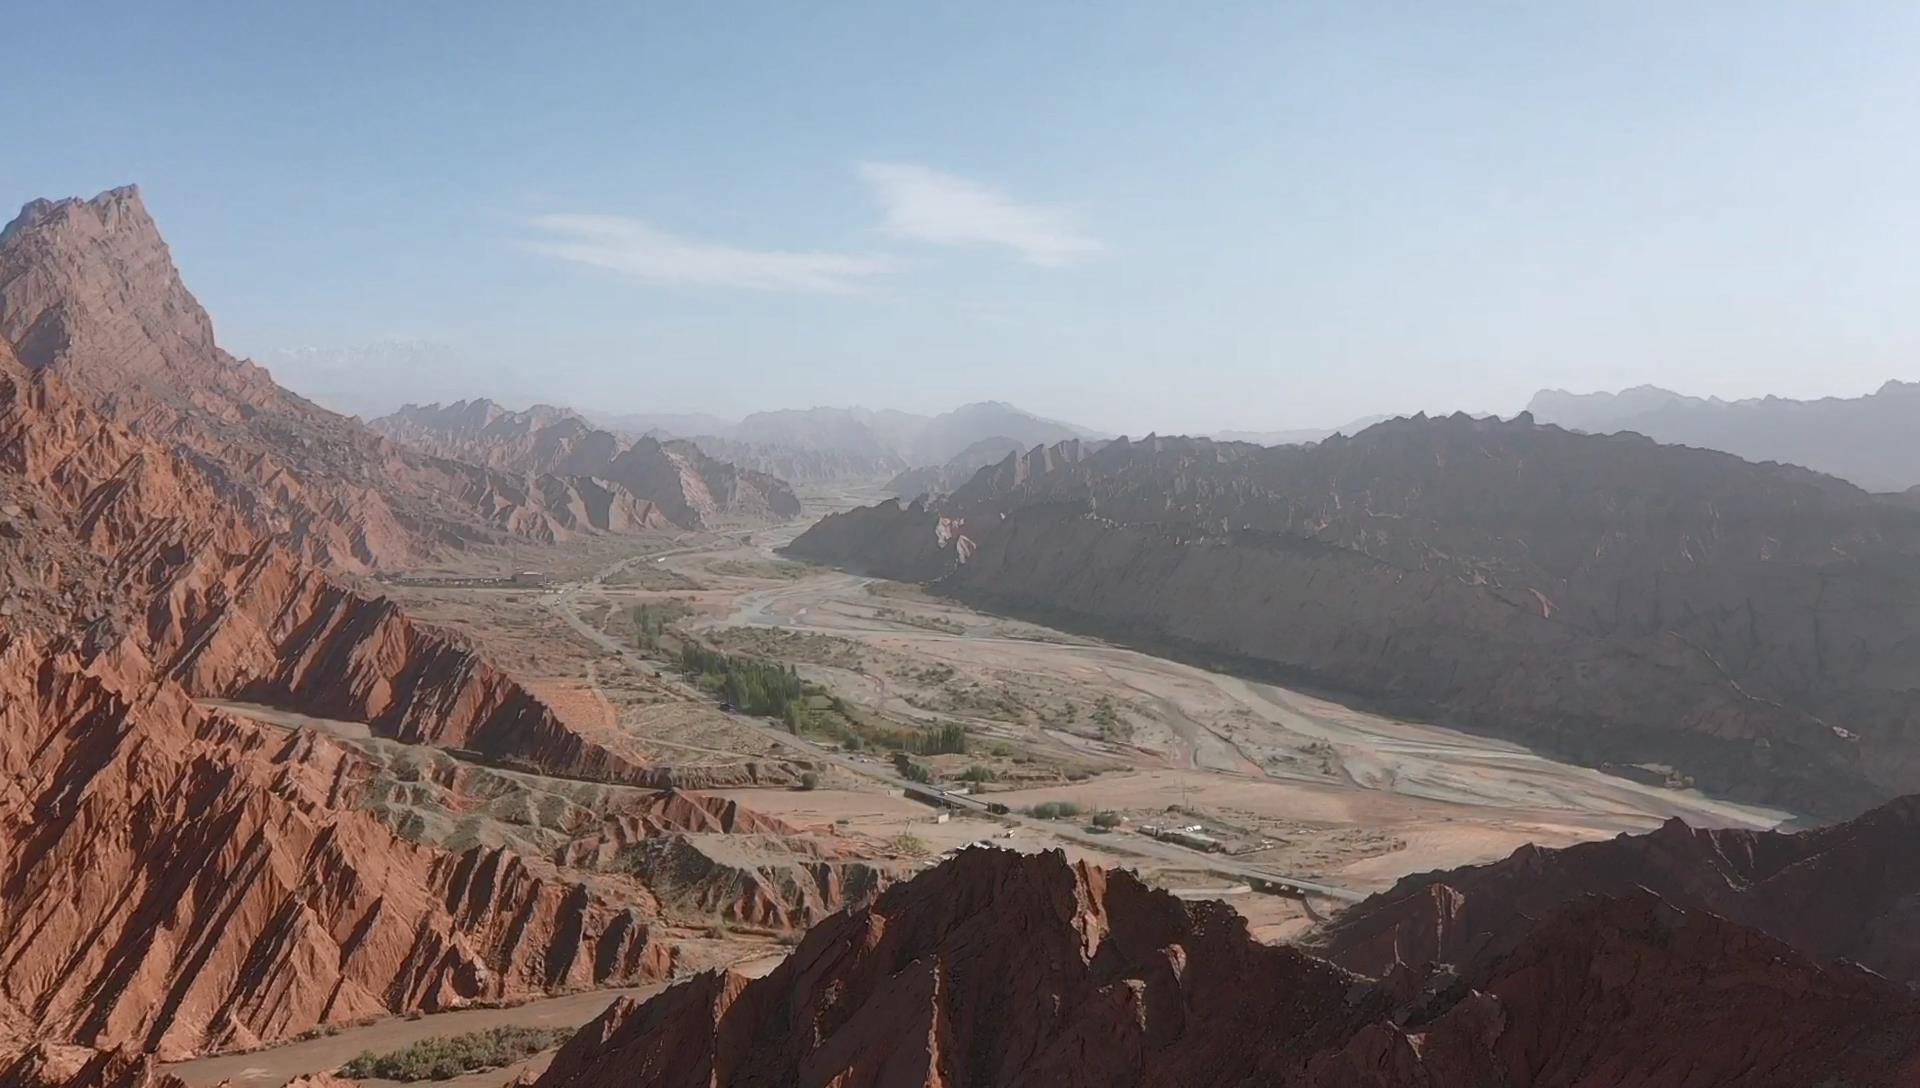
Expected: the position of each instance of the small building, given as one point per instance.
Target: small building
(530, 578)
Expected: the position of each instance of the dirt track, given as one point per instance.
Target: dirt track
(1436, 796)
(276, 1065)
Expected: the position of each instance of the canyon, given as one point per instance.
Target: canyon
(1606, 599)
(184, 541)
(309, 725)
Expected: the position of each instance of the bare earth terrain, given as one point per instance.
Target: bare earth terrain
(1286, 783)
(1289, 782)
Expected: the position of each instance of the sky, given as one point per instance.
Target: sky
(1167, 217)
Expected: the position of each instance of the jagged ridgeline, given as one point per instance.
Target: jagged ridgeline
(1604, 598)
(175, 527)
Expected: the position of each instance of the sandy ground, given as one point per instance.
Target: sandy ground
(1344, 794)
(1295, 783)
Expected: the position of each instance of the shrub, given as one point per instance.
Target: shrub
(1106, 820)
(977, 773)
(755, 686)
(809, 780)
(446, 1056)
(1054, 810)
(950, 738)
(910, 844)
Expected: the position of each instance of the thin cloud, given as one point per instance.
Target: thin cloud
(633, 248)
(929, 206)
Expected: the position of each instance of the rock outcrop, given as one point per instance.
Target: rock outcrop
(1604, 598)
(57, 1065)
(1846, 892)
(177, 880)
(711, 856)
(118, 533)
(1014, 970)
(690, 488)
(88, 291)
(175, 527)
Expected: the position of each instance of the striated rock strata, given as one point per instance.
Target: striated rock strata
(1010, 970)
(120, 534)
(88, 291)
(177, 880)
(1845, 892)
(56, 1065)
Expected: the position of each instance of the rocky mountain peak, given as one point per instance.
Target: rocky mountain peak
(112, 206)
(89, 287)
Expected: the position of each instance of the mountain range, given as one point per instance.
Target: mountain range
(1019, 970)
(175, 528)
(1868, 440)
(178, 534)
(690, 488)
(1607, 598)
(813, 444)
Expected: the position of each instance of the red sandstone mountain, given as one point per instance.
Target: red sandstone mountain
(1850, 891)
(57, 1065)
(1009, 970)
(109, 530)
(88, 291)
(694, 490)
(1605, 598)
(170, 522)
(177, 880)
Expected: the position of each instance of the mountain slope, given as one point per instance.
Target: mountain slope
(916, 482)
(1866, 439)
(1607, 598)
(949, 434)
(88, 291)
(178, 880)
(688, 487)
(1850, 891)
(1013, 970)
(113, 534)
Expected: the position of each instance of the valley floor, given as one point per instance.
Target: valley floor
(1346, 796)
(1286, 784)
(1290, 783)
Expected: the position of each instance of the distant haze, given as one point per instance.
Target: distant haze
(1873, 441)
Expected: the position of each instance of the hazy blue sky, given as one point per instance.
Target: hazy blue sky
(1135, 216)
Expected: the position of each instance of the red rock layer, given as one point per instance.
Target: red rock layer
(710, 856)
(52, 1065)
(1849, 891)
(88, 290)
(176, 881)
(1013, 971)
(125, 526)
